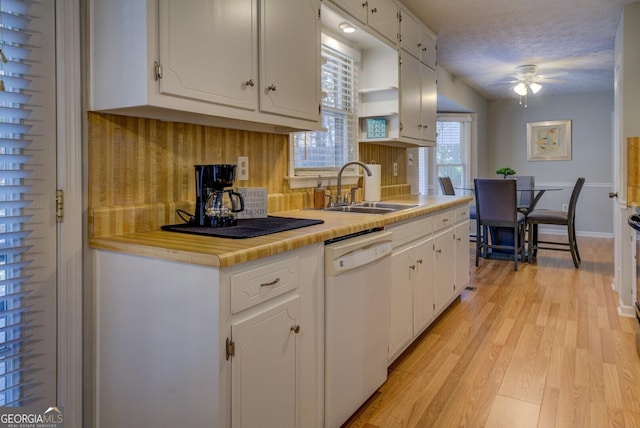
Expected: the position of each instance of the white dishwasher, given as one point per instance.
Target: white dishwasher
(357, 281)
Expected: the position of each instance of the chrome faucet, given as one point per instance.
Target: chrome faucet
(339, 189)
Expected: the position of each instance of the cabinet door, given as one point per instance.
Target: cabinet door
(427, 48)
(410, 31)
(443, 275)
(355, 8)
(208, 51)
(423, 285)
(264, 370)
(383, 17)
(410, 98)
(401, 306)
(428, 103)
(461, 278)
(290, 58)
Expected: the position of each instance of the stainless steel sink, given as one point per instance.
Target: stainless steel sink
(360, 209)
(389, 205)
(371, 208)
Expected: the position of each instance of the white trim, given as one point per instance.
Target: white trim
(328, 179)
(454, 117)
(69, 126)
(625, 310)
(584, 233)
(572, 184)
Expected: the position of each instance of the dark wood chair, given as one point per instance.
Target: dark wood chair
(446, 186)
(526, 199)
(560, 218)
(497, 206)
(447, 189)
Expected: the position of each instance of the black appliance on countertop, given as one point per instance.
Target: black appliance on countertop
(216, 206)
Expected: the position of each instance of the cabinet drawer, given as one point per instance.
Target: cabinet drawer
(254, 286)
(443, 219)
(411, 231)
(462, 213)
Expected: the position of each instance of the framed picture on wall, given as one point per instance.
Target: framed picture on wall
(550, 140)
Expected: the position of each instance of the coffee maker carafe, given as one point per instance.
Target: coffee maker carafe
(215, 204)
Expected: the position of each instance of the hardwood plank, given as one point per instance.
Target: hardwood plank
(508, 412)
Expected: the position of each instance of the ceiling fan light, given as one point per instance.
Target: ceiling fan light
(535, 87)
(520, 89)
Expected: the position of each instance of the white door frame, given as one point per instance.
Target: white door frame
(70, 238)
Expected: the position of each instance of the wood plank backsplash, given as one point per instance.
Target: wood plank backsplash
(141, 170)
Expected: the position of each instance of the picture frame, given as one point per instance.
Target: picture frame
(549, 140)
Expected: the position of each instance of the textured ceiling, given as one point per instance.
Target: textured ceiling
(482, 42)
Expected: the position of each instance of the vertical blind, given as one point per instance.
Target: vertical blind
(339, 116)
(15, 326)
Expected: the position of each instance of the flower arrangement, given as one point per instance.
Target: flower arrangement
(505, 171)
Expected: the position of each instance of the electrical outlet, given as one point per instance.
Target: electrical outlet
(565, 207)
(243, 167)
(395, 169)
(410, 160)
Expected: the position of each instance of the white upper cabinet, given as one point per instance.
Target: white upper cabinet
(410, 34)
(418, 101)
(417, 39)
(290, 58)
(355, 8)
(230, 63)
(225, 69)
(379, 15)
(383, 17)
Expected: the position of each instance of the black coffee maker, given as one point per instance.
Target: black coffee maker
(215, 206)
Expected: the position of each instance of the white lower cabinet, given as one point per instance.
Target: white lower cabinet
(187, 345)
(423, 285)
(461, 250)
(401, 298)
(265, 370)
(444, 268)
(425, 263)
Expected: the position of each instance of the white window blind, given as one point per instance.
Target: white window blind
(452, 158)
(17, 327)
(331, 149)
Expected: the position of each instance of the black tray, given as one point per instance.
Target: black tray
(246, 228)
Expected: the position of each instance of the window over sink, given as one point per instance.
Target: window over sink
(317, 152)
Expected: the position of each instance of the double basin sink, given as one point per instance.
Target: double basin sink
(371, 208)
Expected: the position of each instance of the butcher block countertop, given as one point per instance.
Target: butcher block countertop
(223, 252)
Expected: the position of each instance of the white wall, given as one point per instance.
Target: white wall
(592, 151)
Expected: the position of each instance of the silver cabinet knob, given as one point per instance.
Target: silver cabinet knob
(295, 328)
(250, 82)
(271, 87)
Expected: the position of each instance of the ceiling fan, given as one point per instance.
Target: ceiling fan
(527, 80)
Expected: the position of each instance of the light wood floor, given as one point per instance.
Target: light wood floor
(540, 347)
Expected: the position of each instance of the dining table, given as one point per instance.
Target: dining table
(504, 235)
